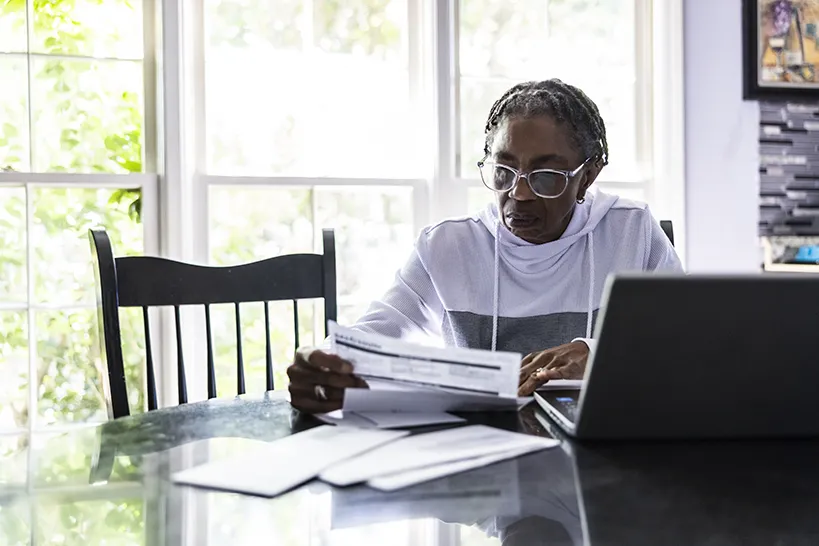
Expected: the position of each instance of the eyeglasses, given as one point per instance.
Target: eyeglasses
(547, 183)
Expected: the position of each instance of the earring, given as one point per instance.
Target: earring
(581, 200)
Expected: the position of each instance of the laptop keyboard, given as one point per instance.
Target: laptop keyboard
(567, 406)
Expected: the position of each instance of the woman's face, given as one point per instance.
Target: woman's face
(538, 143)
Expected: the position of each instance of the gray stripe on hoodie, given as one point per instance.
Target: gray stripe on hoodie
(516, 334)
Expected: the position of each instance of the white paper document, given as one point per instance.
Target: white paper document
(391, 482)
(286, 463)
(468, 371)
(388, 419)
(377, 399)
(425, 450)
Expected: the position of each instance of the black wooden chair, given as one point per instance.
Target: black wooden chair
(147, 281)
(668, 228)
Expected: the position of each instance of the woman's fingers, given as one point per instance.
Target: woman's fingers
(540, 360)
(326, 362)
(310, 376)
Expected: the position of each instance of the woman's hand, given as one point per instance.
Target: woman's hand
(318, 380)
(563, 362)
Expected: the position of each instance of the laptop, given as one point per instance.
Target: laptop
(698, 356)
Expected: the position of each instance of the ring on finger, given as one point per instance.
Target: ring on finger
(320, 393)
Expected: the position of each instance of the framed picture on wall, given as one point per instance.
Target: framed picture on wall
(780, 49)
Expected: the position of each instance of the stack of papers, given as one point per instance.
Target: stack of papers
(384, 459)
(426, 381)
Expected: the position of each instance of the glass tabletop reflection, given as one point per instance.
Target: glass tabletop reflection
(111, 484)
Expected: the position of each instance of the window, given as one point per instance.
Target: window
(71, 158)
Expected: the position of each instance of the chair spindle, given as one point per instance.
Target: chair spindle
(181, 382)
(150, 379)
(268, 349)
(296, 322)
(240, 364)
(211, 371)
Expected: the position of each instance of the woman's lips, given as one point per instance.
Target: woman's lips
(519, 221)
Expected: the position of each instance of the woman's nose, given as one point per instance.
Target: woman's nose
(521, 190)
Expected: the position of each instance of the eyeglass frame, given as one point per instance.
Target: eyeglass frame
(567, 176)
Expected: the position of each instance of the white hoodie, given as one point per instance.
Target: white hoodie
(471, 283)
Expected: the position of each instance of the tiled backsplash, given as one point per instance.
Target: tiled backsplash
(789, 169)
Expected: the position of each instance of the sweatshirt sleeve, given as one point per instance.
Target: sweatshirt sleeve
(411, 307)
(660, 253)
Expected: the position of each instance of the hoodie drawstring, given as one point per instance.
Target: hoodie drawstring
(590, 304)
(497, 286)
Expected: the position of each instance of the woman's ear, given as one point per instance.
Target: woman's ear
(590, 177)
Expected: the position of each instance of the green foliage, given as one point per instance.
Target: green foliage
(86, 116)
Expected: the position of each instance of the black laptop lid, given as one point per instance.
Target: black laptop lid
(704, 356)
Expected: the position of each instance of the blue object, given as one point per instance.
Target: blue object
(807, 253)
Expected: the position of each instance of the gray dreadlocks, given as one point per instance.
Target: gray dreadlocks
(563, 102)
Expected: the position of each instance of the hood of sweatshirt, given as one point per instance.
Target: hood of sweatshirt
(529, 258)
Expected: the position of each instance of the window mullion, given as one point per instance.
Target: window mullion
(444, 198)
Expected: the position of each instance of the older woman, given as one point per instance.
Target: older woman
(526, 274)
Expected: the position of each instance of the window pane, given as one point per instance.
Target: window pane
(63, 270)
(13, 27)
(636, 194)
(90, 28)
(12, 244)
(14, 152)
(248, 224)
(132, 333)
(87, 115)
(478, 198)
(374, 236)
(14, 462)
(15, 522)
(502, 44)
(68, 360)
(14, 357)
(477, 97)
(253, 343)
(331, 99)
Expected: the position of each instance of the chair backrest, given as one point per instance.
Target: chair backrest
(668, 228)
(146, 281)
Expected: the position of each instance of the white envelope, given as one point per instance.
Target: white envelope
(391, 482)
(286, 463)
(424, 450)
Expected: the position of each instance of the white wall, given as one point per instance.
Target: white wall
(722, 151)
